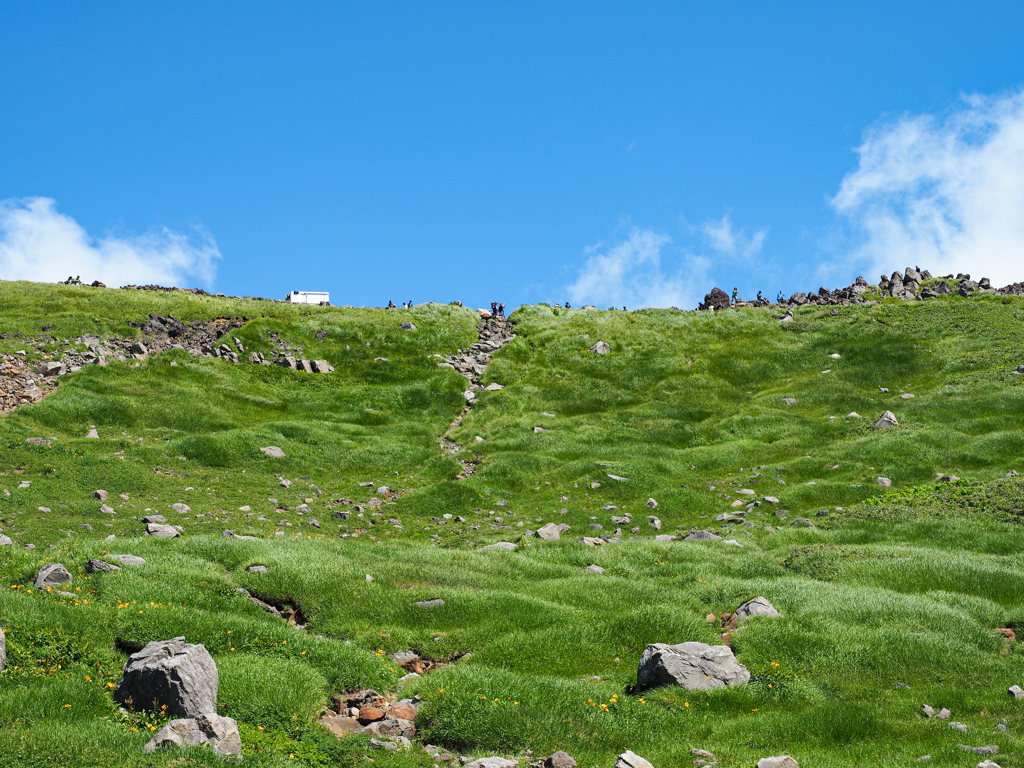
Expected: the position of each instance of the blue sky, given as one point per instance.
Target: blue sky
(614, 153)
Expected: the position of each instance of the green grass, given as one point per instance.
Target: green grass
(890, 602)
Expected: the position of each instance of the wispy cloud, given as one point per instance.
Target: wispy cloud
(630, 274)
(39, 243)
(943, 193)
(720, 235)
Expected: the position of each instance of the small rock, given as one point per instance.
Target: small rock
(885, 482)
(182, 509)
(701, 536)
(559, 760)
(220, 733)
(98, 566)
(162, 531)
(1016, 692)
(601, 348)
(429, 604)
(506, 545)
(782, 761)
(273, 451)
(493, 762)
(127, 559)
(630, 760)
(887, 419)
(101, 495)
(991, 749)
(595, 569)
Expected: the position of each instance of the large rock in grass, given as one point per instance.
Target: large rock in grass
(181, 675)
(221, 733)
(162, 531)
(693, 666)
(51, 576)
(782, 761)
(551, 531)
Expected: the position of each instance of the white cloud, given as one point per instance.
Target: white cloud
(631, 275)
(39, 243)
(721, 236)
(943, 193)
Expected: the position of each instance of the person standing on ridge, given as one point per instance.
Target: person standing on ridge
(735, 296)
(779, 299)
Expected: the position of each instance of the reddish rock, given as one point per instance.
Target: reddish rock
(342, 726)
(1008, 633)
(403, 712)
(370, 714)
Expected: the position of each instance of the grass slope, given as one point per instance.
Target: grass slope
(889, 603)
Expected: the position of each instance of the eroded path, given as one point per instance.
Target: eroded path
(492, 335)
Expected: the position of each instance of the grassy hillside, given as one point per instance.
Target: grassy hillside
(889, 601)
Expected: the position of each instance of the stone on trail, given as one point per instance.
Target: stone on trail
(174, 673)
(162, 531)
(507, 545)
(758, 606)
(887, 419)
(273, 451)
(601, 348)
(782, 761)
(629, 759)
(100, 494)
(885, 482)
(693, 666)
(98, 566)
(493, 762)
(52, 575)
(221, 733)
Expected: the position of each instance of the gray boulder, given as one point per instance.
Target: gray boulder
(407, 327)
(887, 419)
(506, 545)
(693, 666)
(51, 576)
(180, 675)
(127, 559)
(162, 531)
(5, 541)
(559, 760)
(273, 451)
(782, 761)
(758, 606)
(601, 348)
(221, 733)
(595, 569)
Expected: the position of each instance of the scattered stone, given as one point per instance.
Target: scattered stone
(181, 509)
(782, 761)
(6, 541)
(127, 559)
(273, 451)
(3, 651)
(256, 568)
(162, 531)
(154, 519)
(693, 666)
(948, 479)
(885, 482)
(107, 509)
(494, 387)
(559, 760)
(595, 569)
(101, 495)
(407, 327)
(220, 733)
(789, 400)
(887, 419)
(174, 673)
(1016, 692)
(551, 532)
(429, 604)
(506, 545)
(98, 566)
(540, 429)
(701, 536)
(601, 348)
(991, 749)
(51, 576)
(758, 606)
(493, 762)
(630, 760)
(93, 434)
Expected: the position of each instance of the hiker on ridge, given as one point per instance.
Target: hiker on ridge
(735, 296)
